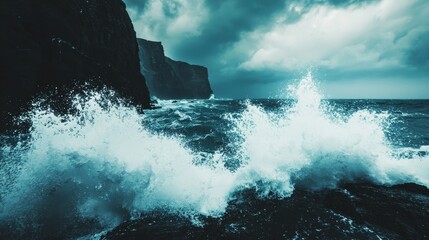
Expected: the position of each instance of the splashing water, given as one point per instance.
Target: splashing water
(101, 165)
(313, 147)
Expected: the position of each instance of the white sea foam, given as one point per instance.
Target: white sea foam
(100, 163)
(311, 146)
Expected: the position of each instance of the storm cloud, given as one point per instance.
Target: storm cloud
(356, 49)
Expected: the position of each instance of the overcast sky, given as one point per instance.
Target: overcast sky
(254, 48)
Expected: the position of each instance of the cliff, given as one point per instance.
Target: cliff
(169, 79)
(57, 45)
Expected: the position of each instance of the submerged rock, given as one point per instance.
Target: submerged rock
(170, 79)
(354, 211)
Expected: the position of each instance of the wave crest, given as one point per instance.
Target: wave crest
(99, 164)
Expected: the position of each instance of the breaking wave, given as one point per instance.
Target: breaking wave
(101, 166)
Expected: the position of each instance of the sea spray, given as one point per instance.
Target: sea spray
(310, 145)
(92, 169)
(100, 165)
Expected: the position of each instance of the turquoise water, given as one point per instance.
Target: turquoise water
(87, 172)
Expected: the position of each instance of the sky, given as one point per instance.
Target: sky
(255, 48)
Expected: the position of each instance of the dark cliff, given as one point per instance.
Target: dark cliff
(169, 79)
(194, 78)
(51, 44)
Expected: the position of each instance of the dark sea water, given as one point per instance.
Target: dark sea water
(81, 174)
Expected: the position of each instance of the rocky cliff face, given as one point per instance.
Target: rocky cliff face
(169, 79)
(50, 44)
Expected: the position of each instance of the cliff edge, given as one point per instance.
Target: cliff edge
(59, 45)
(170, 79)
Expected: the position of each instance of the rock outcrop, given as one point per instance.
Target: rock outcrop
(355, 211)
(57, 45)
(169, 79)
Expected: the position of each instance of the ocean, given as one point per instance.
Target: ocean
(80, 175)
